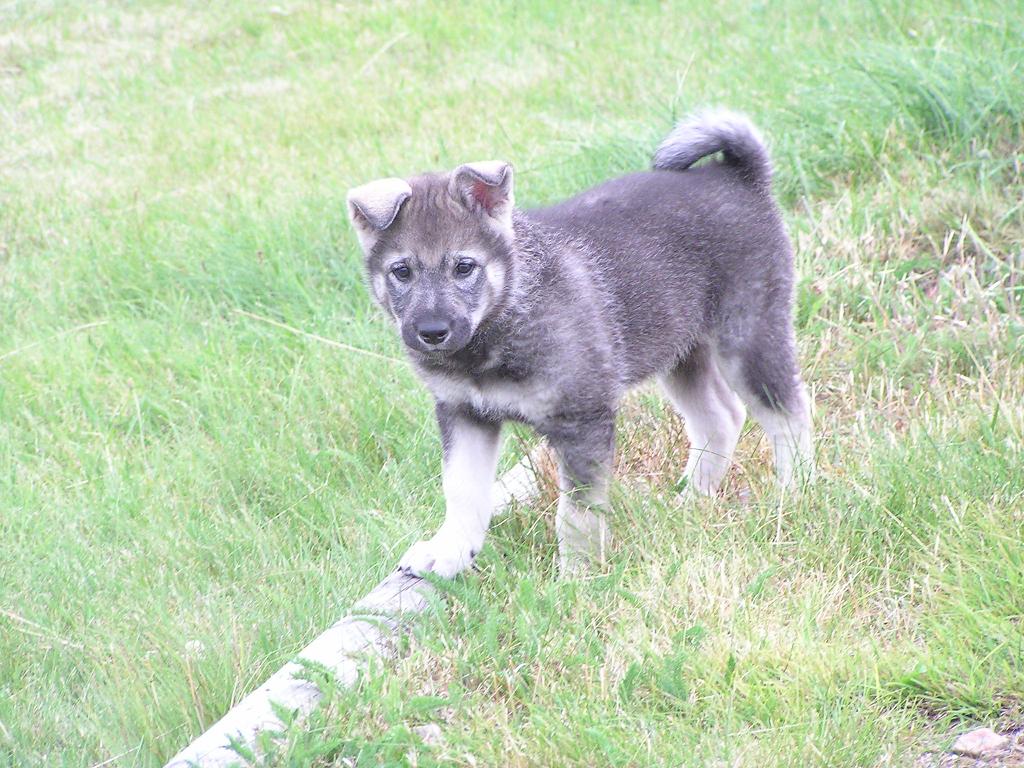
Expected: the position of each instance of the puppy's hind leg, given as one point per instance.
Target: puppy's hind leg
(767, 378)
(712, 414)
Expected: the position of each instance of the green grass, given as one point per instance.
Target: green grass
(188, 495)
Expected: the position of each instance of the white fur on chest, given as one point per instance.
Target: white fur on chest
(530, 400)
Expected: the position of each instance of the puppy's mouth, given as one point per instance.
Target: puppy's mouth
(433, 353)
(439, 352)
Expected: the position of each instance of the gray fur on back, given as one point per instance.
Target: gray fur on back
(676, 258)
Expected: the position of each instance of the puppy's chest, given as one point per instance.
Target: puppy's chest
(530, 399)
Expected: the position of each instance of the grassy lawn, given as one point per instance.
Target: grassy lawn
(189, 494)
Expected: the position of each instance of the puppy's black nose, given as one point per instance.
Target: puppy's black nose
(432, 332)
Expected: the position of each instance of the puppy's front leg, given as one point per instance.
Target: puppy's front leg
(471, 445)
(586, 450)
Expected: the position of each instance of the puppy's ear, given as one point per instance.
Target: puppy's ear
(486, 188)
(373, 208)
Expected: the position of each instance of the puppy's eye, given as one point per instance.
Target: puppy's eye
(401, 271)
(465, 267)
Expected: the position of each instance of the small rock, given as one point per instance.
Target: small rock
(979, 741)
(430, 734)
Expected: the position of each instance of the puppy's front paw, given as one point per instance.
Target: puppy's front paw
(444, 555)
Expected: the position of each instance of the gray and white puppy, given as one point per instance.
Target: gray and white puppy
(548, 316)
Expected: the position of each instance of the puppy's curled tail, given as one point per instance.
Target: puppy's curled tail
(717, 130)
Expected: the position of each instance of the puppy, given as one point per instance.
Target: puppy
(549, 316)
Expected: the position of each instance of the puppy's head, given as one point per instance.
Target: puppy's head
(437, 250)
